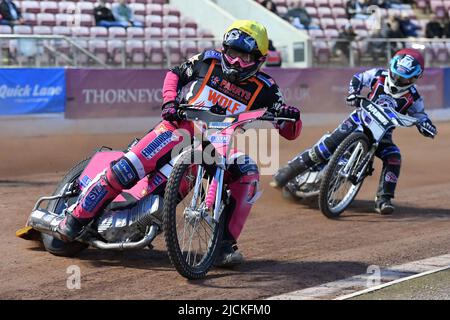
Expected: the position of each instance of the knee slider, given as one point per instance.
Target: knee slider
(123, 173)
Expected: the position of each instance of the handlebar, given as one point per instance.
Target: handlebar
(207, 115)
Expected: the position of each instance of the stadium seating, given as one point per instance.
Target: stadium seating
(141, 45)
(330, 16)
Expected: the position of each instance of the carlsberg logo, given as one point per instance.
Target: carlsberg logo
(28, 91)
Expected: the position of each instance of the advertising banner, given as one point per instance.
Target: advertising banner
(323, 90)
(93, 93)
(25, 91)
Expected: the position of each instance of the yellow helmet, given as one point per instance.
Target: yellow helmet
(255, 30)
(245, 46)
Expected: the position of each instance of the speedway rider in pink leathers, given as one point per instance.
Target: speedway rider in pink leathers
(231, 79)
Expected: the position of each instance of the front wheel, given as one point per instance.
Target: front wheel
(336, 190)
(192, 235)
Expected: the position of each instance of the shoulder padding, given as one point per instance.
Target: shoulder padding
(266, 79)
(212, 54)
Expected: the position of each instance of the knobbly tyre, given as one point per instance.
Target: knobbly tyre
(136, 216)
(196, 194)
(337, 182)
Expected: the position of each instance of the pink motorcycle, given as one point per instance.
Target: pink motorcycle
(185, 198)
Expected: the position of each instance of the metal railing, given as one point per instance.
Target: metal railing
(377, 51)
(46, 50)
(43, 50)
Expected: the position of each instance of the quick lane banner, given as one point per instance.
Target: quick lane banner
(26, 90)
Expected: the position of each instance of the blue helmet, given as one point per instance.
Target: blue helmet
(405, 68)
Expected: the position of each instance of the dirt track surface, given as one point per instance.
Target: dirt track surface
(288, 245)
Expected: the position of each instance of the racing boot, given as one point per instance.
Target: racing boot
(383, 205)
(70, 227)
(229, 255)
(288, 172)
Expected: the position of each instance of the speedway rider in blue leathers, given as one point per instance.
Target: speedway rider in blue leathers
(394, 88)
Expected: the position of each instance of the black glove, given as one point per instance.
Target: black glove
(427, 128)
(352, 100)
(285, 111)
(170, 111)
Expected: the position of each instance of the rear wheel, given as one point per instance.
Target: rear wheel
(51, 244)
(336, 190)
(191, 234)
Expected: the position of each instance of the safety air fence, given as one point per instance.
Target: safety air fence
(112, 93)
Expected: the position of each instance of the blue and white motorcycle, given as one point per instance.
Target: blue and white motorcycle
(337, 182)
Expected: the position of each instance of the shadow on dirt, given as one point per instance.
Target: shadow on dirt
(365, 208)
(145, 259)
(282, 276)
(402, 211)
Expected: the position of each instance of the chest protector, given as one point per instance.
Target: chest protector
(380, 97)
(211, 88)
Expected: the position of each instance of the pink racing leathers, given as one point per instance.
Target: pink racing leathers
(209, 87)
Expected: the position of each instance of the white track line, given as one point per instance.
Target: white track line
(351, 285)
(385, 285)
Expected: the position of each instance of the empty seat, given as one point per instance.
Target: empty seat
(67, 7)
(170, 33)
(171, 21)
(85, 7)
(154, 21)
(188, 48)
(135, 51)
(203, 45)
(99, 47)
(154, 52)
(117, 32)
(29, 18)
(327, 23)
(116, 51)
(151, 32)
(339, 13)
(5, 29)
(64, 19)
(45, 19)
(42, 30)
(81, 32)
(138, 8)
(62, 31)
(49, 7)
(324, 12)
(174, 52)
(134, 32)
(154, 9)
(188, 33)
(30, 6)
(331, 33)
(316, 33)
(169, 10)
(187, 22)
(83, 19)
(99, 32)
(22, 30)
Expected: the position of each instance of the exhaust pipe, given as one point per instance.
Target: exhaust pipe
(148, 238)
(45, 221)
